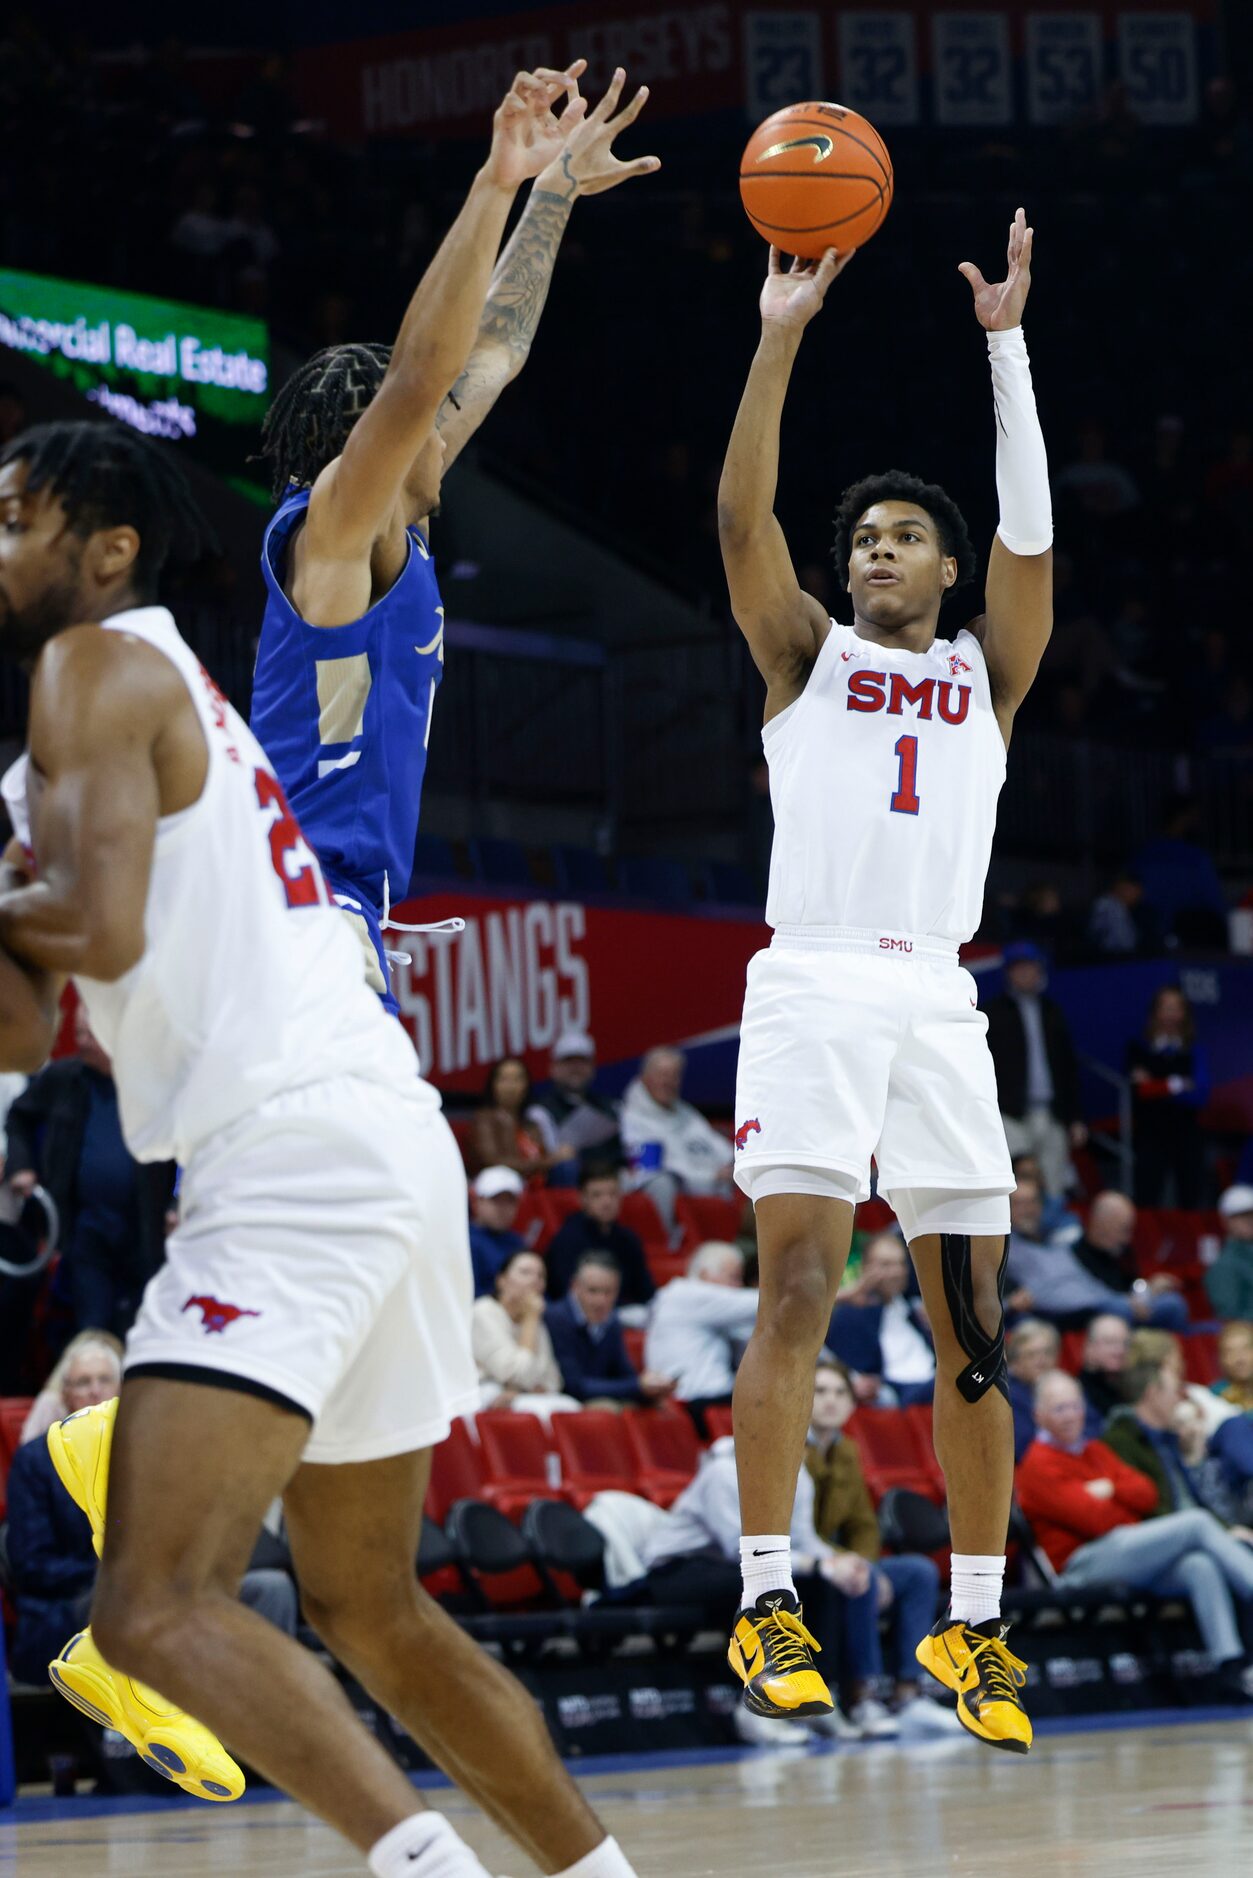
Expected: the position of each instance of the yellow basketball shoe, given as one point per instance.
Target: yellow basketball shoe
(771, 1653)
(972, 1660)
(80, 1447)
(168, 1741)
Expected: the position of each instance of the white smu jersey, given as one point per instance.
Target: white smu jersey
(884, 776)
(251, 981)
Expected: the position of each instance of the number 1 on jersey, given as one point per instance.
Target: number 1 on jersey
(905, 801)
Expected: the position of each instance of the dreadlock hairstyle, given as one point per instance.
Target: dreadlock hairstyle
(899, 486)
(106, 476)
(308, 423)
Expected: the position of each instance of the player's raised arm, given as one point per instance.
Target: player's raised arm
(357, 498)
(584, 165)
(783, 625)
(98, 708)
(1019, 594)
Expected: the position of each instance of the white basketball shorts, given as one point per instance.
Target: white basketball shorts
(322, 1257)
(856, 1044)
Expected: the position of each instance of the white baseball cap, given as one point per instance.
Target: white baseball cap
(1236, 1200)
(573, 1043)
(494, 1181)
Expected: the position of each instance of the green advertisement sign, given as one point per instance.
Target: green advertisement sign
(168, 369)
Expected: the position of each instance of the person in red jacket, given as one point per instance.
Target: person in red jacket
(1093, 1516)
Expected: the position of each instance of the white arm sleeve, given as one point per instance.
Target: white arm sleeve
(1022, 470)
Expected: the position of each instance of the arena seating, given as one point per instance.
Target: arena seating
(516, 1451)
(666, 1450)
(13, 1413)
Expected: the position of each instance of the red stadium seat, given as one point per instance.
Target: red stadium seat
(457, 1472)
(1200, 1350)
(919, 1416)
(664, 1265)
(706, 1216)
(463, 1132)
(596, 1456)
(666, 1450)
(1071, 1357)
(718, 1421)
(892, 1454)
(516, 1450)
(13, 1412)
(539, 1217)
(635, 1341)
(874, 1216)
(642, 1217)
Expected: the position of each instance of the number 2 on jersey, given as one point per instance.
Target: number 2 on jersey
(905, 801)
(301, 884)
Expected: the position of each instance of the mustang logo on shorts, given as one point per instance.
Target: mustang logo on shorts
(742, 1133)
(217, 1317)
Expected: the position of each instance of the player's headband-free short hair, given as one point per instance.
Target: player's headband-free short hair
(900, 486)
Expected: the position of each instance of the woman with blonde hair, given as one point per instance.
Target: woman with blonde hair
(89, 1371)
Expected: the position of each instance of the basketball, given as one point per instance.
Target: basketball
(816, 176)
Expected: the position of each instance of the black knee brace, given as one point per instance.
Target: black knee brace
(986, 1368)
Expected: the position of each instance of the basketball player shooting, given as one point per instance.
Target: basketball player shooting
(861, 1034)
(352, 642)
(307, 1332)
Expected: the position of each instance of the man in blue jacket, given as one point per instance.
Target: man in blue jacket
(589, 1345)
(880, 1333)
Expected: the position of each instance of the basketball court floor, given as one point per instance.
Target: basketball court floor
(1091, 1799)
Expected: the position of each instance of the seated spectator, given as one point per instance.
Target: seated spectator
(89, 1371)
(1031, 1350)
(1163, 1346)
(1235, 1364)
(1142, 1432)
(1049, 1281)
(514, 1353)
(1103, 1369)
(571, 1112)
(1059, 1223)
(588, 1343)
(1181, 882)
(672, 1148)
(1224, 1490)
(698, 1327)
(908, 1586)
(1037, 1072)
(1117, 925)
(503, 1137)
(1169, 1088)
(51, 1558)
(1105, 1250)
(64, 1132)
(880, 1336)
(1229, 1280)
(597, 1228)
(1092, 1515)
(494, 1197)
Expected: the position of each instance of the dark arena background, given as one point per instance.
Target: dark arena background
(193, 203)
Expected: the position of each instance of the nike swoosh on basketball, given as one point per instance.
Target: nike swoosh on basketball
(822, 146)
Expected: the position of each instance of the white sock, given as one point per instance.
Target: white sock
(607, 1861)
(977, 1582)
(424, 1846)
(766, 1564)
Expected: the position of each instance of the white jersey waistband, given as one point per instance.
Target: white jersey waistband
(872, 939)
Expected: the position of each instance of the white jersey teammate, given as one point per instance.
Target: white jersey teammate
(309, 1332)
(861, 1033)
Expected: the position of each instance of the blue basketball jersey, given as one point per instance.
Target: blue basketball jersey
(344, 714)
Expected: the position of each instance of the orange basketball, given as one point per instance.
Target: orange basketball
(816, 176)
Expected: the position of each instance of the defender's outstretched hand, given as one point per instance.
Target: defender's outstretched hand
(526, 136)
(587, 164)
(791, 300)
(999, 304)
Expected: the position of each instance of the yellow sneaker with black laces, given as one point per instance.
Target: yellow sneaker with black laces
(772, 1654)
(166, 1739)
(973, 1661)
(80, 1447)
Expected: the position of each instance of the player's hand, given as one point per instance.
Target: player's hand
(587, 166)
(790, 300)
(999, 304)
(526, 136)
